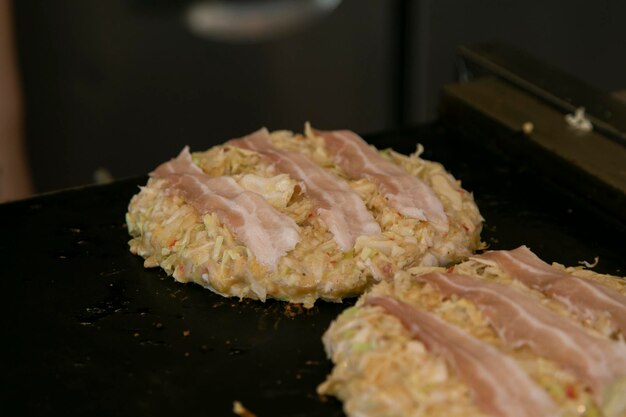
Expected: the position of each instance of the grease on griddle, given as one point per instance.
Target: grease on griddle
(206, 348)
(233, 351)
(114, 302)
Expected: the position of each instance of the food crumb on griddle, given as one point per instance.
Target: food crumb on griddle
(242, 411)
(528, 128)
(293, 310)
(186, 333)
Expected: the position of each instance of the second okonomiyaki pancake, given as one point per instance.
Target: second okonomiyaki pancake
(502, 334)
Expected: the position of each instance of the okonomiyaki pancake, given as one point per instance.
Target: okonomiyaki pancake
(502, 334)
(321, 215)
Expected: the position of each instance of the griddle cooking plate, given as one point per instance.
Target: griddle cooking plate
(88, 331)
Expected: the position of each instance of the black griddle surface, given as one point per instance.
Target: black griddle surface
(86, 330)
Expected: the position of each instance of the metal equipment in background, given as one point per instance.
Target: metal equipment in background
(568, 130)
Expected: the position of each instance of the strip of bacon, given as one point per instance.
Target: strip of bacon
(335, 202)
(588, 298)
(406, 193)
(498, 385)
(521, 321)
(268, 233)
(182, 164)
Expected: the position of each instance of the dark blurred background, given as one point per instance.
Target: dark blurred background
(118, 86)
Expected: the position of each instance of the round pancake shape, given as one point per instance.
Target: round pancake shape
(193, 247)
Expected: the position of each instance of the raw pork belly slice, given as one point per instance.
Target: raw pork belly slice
(182, 164)
(585, 297)
(266, 232)
(494, 379)
(336, 203)
(406, 193)
(521, 321)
